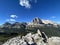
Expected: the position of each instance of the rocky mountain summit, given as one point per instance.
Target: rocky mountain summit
(39, 38)
(37, 22)
(14, 25)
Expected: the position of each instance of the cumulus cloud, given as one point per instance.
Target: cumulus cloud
(25, 3)
(12, 20)
(13, 16)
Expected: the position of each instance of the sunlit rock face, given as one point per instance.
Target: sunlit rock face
(29, 39)
(54, 41)
(38, 38)
(36, 20)
(15, 41)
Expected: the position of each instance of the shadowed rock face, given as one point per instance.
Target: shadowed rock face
(6, 25)
(14, 25)
(37, 21)
(33, 39)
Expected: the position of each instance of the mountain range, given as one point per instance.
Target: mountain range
(35, 22)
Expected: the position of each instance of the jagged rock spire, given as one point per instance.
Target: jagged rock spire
(39, 32)
(33, 39)
(36, 20)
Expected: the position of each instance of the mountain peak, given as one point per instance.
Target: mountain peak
(37, 20)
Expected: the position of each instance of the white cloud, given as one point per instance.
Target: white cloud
(12, 20)
(25, 3)
(13, 16)
(53, 17)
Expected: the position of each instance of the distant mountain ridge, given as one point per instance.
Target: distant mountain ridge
(48, 21)
(41, 23)
(14, 25)
(22, 28)
(35, 22)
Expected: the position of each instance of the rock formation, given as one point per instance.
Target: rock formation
(29, 39)
(38, 38)
(37, 21)
(54, 41)
(6, 25)
(16, 25)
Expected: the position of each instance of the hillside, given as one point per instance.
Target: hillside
(8, 30)
(39, 38)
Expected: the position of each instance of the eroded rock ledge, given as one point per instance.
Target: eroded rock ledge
(39, 38)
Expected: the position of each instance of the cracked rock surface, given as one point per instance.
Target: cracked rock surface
(33, 39)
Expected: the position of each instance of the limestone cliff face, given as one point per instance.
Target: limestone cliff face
(37, 21)
(38, 38)
(29, 39)
(54, 41)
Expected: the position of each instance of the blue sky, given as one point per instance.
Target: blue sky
(20, 11)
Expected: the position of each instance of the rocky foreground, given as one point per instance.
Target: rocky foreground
(39, 38)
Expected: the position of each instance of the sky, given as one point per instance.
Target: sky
(26, 10)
